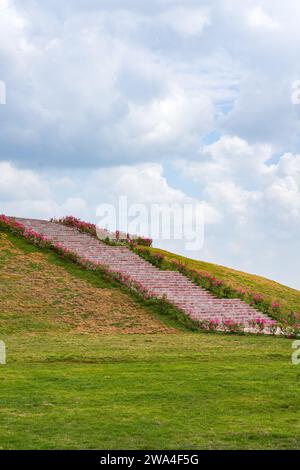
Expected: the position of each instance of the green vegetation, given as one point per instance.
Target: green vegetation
(187, 390)
(75, 380)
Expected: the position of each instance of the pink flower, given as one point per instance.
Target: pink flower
(275, 305)
(257, 298)
(241, 291)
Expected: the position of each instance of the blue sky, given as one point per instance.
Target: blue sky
(162, 101)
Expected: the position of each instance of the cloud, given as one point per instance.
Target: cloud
(141, 184)
(259, 203)
(259, 19)
(283, 193)
(25, 192)
(186, 21)
(120, 82)
(170, 124)
(104, 97)
(83, 95)
(230, 159)
(236, 175)
(18, 184)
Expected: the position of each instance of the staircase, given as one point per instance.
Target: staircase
(195, 301)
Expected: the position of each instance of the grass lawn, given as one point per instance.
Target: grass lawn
(186, 390)
(90, 366)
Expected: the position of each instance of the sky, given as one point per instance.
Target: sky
(162, 101)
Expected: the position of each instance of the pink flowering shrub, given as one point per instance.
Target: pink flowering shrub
(257, 299)
(257, 325)
(158, 259)
(232, 326)
(137, 287)
(275, 305)
(177, 265)
(261, 324)
(143, 241)
(71, 221)
(241, 292)
(214, 324)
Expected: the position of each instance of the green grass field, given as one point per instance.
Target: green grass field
(89, 366)
(161, 391)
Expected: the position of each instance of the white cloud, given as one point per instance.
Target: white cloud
(258, 201)
(26, 193)
(289, 165)
(283, 192)
(134, 101)
(231, 197)
(174, 119)
(74, 205)
(230, 159)
(141, 184)
(259, 19)
(14, 43)
(17, 184)
(238, 176)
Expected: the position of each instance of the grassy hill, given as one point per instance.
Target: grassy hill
(271, 290)
(39, 292)
(90, 366)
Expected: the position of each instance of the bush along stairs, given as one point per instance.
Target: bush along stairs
(199, 304)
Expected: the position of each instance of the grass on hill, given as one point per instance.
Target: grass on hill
(74, 380)
(40, 291)
(271, 290)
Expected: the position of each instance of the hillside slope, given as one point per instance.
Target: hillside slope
(39, 292)
(288, 297)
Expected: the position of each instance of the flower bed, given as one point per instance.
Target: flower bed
(71, 221)
(228, 325)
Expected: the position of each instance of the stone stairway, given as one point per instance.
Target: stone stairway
(195, 301)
